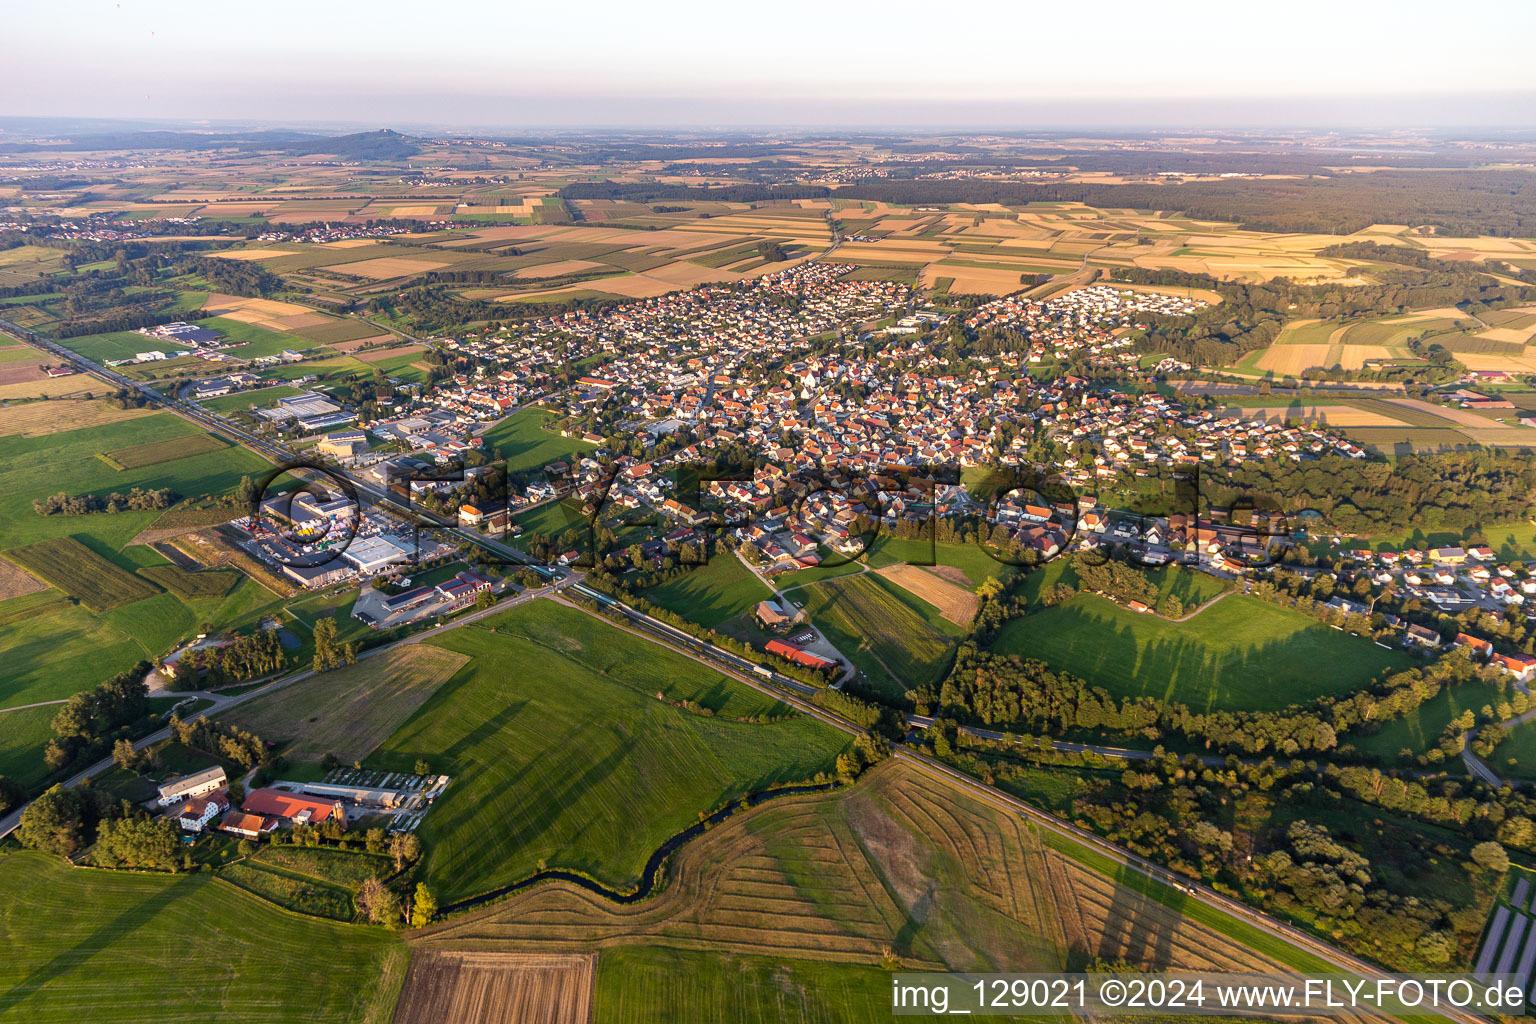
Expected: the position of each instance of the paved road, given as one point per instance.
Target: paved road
(39, 704)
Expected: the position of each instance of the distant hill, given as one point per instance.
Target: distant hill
(383, 144)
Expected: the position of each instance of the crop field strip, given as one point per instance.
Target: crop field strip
(81, 573)
(155, 452)
(191, 586)
(349, 711)
(497, 988)
(875, 629)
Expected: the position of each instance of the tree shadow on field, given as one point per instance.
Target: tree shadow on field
(1139, 928)
(545, 790)
(79, 955)
(482, 732)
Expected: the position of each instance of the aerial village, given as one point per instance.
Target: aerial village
(855, 406)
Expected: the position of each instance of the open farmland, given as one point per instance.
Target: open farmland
(50, 648)
(89, 945)
(81, 573)
(496, 988)
(955, 603)
(36, 419)
(141, 455)
(350, 710)
(891, 643)
(1236, 653)
(191, 586)
(902, 862)
(553, 769)
(17, 582)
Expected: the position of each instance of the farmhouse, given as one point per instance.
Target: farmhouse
(189, 786)
(247, 826)
(294, 808)
(195, 814)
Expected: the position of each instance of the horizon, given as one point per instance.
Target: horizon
(145, 59)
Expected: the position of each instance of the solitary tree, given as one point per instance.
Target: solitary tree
(423, 906)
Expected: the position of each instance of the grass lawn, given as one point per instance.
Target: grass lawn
(50, 649)
(713, 592)
(1238, 654)
(970, 559)
(525, 444)
(1520, 744)
(561, 753)
(878, 628)
(1422, 729)
(88, 945)
(23, 735)
(261, 397)
(552, 519)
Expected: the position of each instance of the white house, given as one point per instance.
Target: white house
(188, 786)
(195, 814)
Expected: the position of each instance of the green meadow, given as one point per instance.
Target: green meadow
(563, 755)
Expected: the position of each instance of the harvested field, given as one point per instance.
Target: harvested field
(1332, 415)
(219, 304)
(956, 604)
(375, 355)
(329, 331)
(81, 573)
(53, 387)
(140, 455)
(351, 710)
(1460, 417)
(36, 419)
(559, 268)
(973, 280)
(1289, 360)
(350, 347)
(20, 372)
(453, 987)
(386, 267)
(251, 254)
(903, 861)
(17, 582)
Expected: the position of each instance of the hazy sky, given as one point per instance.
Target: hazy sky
(608, 62)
